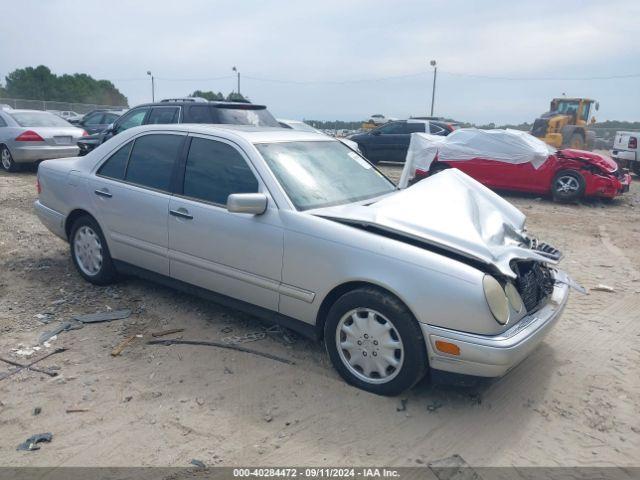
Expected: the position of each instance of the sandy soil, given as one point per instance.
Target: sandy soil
(574, 401)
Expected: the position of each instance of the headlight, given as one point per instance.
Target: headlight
(514, 297)
(496, 298)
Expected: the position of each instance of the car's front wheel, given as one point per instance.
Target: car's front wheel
(8, 164)
(568, 186)
(374, 342)
(90, 252)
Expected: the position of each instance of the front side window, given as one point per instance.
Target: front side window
(152, 160)
(110, 117)
(215, 170)
(132, 119)
(116, 164)
(392, 128)
(320, 173)
(415, 127)
(163, 115)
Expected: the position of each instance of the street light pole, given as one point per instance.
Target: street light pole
(433, 91)
(236, 70)
(153, 86)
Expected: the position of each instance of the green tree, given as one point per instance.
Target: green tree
(209, 95)
(40, 83)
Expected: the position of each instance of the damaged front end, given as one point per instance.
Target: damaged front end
(455, 216)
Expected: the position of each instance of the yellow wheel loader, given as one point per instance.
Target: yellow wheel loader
(565, 124)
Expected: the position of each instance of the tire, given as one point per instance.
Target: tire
(577, 141)
(370, 318)
(90, 252)
(6, 160)
(567, 186)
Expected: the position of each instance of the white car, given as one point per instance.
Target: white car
(625, 150)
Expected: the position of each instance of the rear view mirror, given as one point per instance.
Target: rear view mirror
(252, 203)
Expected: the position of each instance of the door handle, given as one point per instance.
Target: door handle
(181, 213)
(103, 193)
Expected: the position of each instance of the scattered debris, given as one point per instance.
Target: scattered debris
(118, 350)
(31, 443)
(77, 410)
(63, 327)
(434, 406)
(198, 463)
(200, 401)
(453, 468)
(228, 371)
(171, 331)
(37, 411)
(222, 345)
(267, 417)
(30, 366)
(403, 405)
(43, 317)
(249, 337)
(603, 288)
(104, 316)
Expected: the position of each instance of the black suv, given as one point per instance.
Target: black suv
(183, 110)
(390, 142)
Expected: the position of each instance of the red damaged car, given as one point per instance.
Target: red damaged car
(513, 160)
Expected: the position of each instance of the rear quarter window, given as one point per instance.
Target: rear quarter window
(116, 164)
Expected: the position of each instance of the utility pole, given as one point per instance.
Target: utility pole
(153, 86)
(236, 70)
(433, 91)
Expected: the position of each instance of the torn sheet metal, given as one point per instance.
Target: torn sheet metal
(509, 146)
(454, 212)
(103, 316)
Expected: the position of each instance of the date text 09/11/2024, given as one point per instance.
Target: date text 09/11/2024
(316, 472)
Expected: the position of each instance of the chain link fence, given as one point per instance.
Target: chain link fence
(50, 105)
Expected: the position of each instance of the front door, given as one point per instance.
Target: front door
(237, 255)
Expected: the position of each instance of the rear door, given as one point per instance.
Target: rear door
(237, 255)
(131, 191)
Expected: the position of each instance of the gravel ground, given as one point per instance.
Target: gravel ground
(574, 401)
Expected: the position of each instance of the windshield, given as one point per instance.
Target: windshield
(38, 119)
(303, 127)
(247, 116)
(319, 174)
(567, 108)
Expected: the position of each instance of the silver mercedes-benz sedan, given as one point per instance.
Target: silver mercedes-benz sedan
(299, 229)
(28, 136)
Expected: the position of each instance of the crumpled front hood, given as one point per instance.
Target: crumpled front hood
(450, 211)
(602, 161)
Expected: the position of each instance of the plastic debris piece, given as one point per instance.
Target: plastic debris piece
(32, 442)
(103, 316)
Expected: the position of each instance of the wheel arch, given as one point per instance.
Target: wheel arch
(73, 216)
(346, 287)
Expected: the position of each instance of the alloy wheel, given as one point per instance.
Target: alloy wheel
(369, 345)
(6, 159)
(567, 184)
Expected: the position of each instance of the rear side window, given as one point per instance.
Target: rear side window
(152, 159)
(215, 170)
(200, 114)
(163, 115)
(39, 119)
(436, 130)
(95, 119)
(116, 164)
(2, 122)
(242, 115)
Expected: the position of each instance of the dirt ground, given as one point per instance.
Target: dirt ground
(574, 401)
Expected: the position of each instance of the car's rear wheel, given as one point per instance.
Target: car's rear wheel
(374, 342)
(90, 252)
(6, 159)
(567, 186)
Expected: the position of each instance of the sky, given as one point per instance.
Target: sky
(498, 61)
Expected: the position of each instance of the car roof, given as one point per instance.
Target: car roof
(216, 103)
(249, 133)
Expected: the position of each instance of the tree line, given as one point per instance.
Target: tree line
(40, 83)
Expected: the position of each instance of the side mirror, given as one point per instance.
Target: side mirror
(252, 203)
